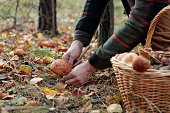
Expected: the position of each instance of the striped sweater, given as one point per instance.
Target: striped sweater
(126, 38)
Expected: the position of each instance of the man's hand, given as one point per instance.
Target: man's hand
(80, 74)
(73, 52)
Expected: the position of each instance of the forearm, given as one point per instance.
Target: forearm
(122, 41)
(129, 35)
(89, 20)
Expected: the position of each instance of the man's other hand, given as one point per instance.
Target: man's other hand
(80, 74)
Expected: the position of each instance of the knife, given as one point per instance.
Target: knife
(81, 55)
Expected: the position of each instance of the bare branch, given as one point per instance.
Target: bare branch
(8, 12)
(5, 4)
(16, 10)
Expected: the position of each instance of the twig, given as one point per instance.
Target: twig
(28, 14)
(15, 26)
(101, 100)
(5, 4)
(9, 108)
(152, 104)
(16, 10)
(149, 102)
(8, 12)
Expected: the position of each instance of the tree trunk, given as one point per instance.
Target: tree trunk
(106, 27)
(47, 17)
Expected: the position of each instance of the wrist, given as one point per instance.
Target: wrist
(91, 68)
(77, 43)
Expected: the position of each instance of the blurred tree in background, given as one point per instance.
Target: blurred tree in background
(47, 17)
(15, 13)
(106, 26)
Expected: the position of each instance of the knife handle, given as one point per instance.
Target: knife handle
(74, 62)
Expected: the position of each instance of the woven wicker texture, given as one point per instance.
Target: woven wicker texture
(148, 91)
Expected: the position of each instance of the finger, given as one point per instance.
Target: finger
(70, 62)
(66, 57)
(76, 83)
(66, 77)
(71, 81)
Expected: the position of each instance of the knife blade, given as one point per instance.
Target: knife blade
(81, 55)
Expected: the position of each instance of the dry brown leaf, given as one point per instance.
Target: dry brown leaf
(61, 86)
(91, 94)
(1, 95)
(93, 88)
(110, 100)
(95, 111)
(77, 93)
(2, 63)
(3, 76)
(9, 97)
(3, 70)
(35, 80)
(50, 96)
(62, 100)
(15, 57)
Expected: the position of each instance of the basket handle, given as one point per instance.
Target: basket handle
(153, 25)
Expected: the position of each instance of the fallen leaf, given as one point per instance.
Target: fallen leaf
(15, 57)
(32, 103)
(2, 44)
(61, 86)
(62, 100)
(1, 50)
(91, 94)
(60, 29)
(1, 95)
(25, 68)
(35, 80)
(39, 61)
(93, 88)
(61, 50)
(3, 35)
(11, 53)
(95, 111)
(114, 108)
(3, 76)
(9, 97)
(3, 70)
(47, 60)
(50, 96)
(49, 91)
(110, 100)
(2, 63)
(77, 93)
(40, 36)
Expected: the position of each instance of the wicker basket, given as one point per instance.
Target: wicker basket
(148, 91)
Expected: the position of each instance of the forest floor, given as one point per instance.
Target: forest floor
(27, 85)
